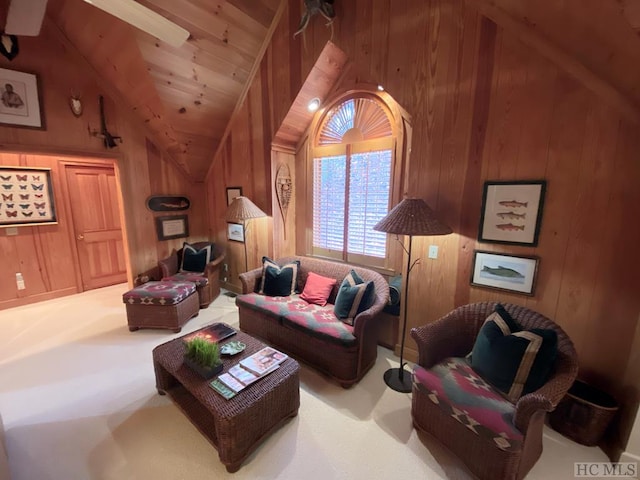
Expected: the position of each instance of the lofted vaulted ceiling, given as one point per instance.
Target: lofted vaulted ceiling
(185, 97)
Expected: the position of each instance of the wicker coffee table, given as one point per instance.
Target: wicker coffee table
(236, 426)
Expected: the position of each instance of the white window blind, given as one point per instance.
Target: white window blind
(329, 175)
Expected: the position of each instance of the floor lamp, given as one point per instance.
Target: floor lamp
(242, 210)
(411, 217)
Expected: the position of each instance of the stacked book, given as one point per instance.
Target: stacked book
(247, 371)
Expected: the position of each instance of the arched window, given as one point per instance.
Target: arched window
(353, 162)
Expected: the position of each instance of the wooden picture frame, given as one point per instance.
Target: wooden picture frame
(512, 212)
(20, 104)
(235, 232)
(233, 192)
(26, 197)
(172, 226)
(513, 273)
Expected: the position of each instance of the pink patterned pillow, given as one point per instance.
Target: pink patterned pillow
(317, 289)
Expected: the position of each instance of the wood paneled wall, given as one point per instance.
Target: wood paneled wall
(51, 270)
(484, 107)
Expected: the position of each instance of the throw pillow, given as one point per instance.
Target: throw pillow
(279, 281)
(317, 289)
(194, 260)
(354, 296)
(513, 360)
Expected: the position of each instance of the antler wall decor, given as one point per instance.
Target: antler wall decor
(313, 7)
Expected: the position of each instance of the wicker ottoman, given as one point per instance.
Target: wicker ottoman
(161, 305)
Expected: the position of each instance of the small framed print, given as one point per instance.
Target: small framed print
(174, 226)
(235, 232)
(20, 99)
(512, 212)
(504, 272)
(233, 192)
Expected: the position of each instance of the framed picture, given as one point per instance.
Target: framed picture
(168, 203)
(512, 212)
(504, 272)
(26, 197)
(233, 192)
(19, 99)
(174, 226)
(235, 232)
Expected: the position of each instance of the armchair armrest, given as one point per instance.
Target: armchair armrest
(169, 266)
(449, 336)
(250, 280)
(212, 268)
(546, 397)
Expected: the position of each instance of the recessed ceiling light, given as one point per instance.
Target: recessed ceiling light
(313, 105)
(380, 88)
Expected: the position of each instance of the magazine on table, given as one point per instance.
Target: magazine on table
(214, 333)
(263, 361)
(237, 378)
(222, 389)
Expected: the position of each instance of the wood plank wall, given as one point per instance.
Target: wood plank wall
(142, 171)
(484, 107)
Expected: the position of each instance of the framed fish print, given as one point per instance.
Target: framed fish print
(512, 212)
(26, 197)
(504, 272)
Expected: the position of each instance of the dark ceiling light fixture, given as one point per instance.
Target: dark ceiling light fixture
(9, 46)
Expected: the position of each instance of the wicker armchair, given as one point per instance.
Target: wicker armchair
(453, 336)
(207, 282)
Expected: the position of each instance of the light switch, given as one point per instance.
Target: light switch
(433, 251)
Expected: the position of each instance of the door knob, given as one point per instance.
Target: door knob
(80, 236)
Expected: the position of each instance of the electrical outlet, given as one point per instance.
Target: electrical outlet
(433, 251)
(20, 281)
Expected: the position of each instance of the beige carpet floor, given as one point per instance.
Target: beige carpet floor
(78, 400)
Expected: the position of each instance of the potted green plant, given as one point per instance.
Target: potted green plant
(203, 356)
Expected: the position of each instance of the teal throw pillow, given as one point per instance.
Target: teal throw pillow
(194, 260)
(513, 360)
(279, 281)
(354, 296)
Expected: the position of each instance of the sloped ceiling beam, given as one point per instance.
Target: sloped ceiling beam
(249, 82)
(564, 60)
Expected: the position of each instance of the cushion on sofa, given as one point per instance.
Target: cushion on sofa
(466, 397)
(279, 281)
(514, 360)
(354, 296)
(293, 312)
(193, 259)
(317, 289)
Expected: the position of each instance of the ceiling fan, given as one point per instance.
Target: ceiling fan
(25, 18)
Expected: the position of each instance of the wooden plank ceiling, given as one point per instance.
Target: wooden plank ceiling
(185, 96)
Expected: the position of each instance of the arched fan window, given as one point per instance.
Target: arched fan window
(353, 158)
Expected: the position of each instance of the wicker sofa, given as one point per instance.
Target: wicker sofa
(343, 352)
(458, 422)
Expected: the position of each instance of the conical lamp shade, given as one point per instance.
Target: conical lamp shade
(242, 209)
(412, 216)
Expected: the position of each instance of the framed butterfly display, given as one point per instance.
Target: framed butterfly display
(26, 197)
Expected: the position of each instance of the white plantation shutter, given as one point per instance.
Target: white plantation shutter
(352, 182)
(369, 188)
(329, 175)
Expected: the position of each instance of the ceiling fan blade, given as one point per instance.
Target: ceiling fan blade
(143, 18)
(25, 17)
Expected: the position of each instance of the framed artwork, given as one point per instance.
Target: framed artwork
(26, 197)
(233, 192)
(504, 272)
(235, 232)
(174, 226)
(512, 212)
(20, 99)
